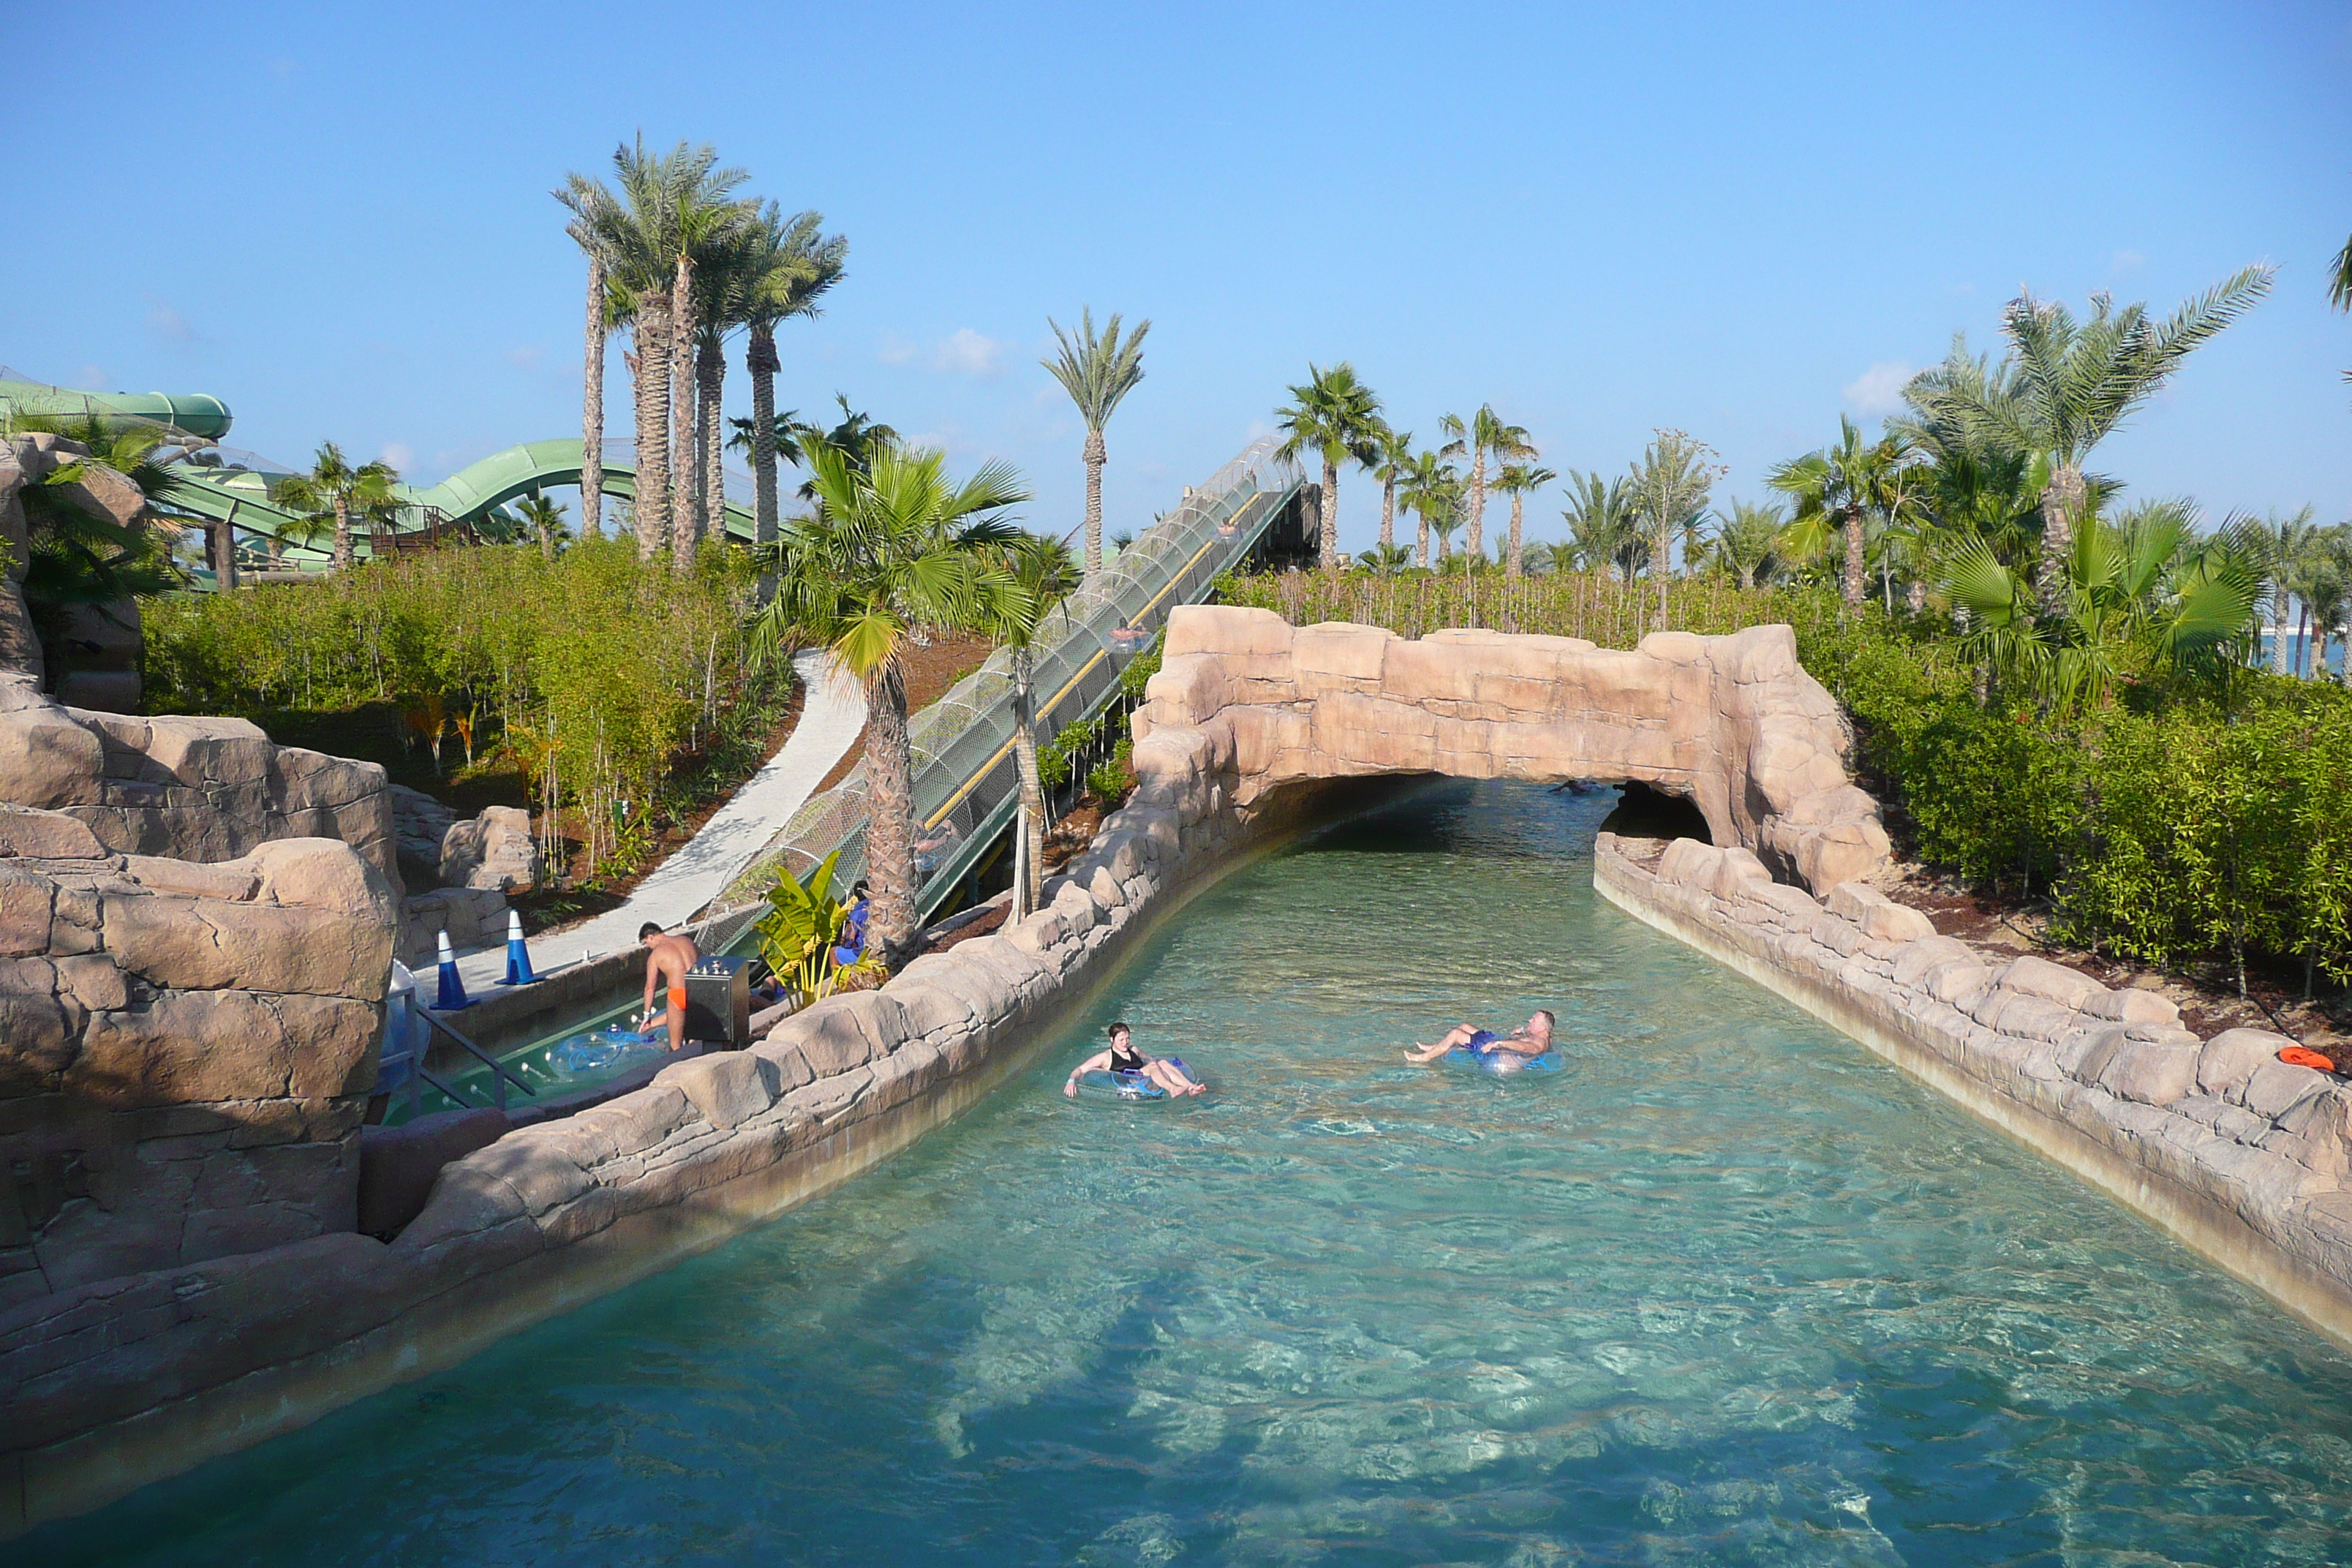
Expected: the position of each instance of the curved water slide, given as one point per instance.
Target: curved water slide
(240, 495)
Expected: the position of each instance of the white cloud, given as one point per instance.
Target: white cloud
(967, 352)
(170, 325)
(399, 454)
(91, 378)
(1879, 389)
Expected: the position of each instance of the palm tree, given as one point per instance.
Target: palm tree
(1046, 572)
(2277, 545)
(2069, 383)
(2339, 294)
(1384, 560)
(586, 235)
(788, 269)
(1669, 487)
(1516, 480)
(893, 552)
(1096, 371)
(1427, 488)
(2144, 592)
(1603, 531)
(1744, 542)
(1335, 416)
(1394, 448)
(332, 485)
(704, 230)
(1836, 489)
(544, 518)
(1475, 438)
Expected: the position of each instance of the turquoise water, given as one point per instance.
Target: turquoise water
(1727, 1290)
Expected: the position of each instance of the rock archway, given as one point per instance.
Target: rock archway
(1247, 703)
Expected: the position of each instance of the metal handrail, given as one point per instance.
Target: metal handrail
(503, 1077)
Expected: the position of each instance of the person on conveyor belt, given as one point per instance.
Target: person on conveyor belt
(669, 959)
(1123, 1056)
(1531, 1040)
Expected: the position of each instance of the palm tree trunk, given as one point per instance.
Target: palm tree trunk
(2060, 500)
(1517, 562)
(1477, 508)
(1422, 541)
(686, 511)
(2344, 670)
(592, 406)
(1388, 515)
(1096, 456)
(1032, 825)
(1326, 526)
(1856, 557)
(343, 554)
(650, 509)
(1746, 578)
(711, 385)
(2278, 626)
(890, 813)
(761, 360)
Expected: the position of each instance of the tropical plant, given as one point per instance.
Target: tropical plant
(1516, 480)
(786, 269)
(1603, 533)
(2277, 546)
(1668, 488)
(1743, 543)
(78, 558)
(893, 552)
(1384, 560)
(803, 925)
(1395, 453)
(2069, 382)
(1044, 572)
(1483, 434)
(2145, 595)
(1838, 489)
(544, 520)
(1097, 372)
(334, 486)
(1336, 416)
(1432, 490)
(590, 238)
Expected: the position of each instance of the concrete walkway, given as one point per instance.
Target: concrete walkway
(831, 717)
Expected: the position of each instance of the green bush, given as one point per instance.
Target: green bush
(595, 667)
(1109, 780)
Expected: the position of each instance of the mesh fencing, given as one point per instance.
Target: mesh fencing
(966, 782)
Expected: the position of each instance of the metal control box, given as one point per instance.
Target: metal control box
(719, 1003)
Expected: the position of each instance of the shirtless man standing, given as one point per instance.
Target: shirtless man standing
(1533, 1038)
(670, 958)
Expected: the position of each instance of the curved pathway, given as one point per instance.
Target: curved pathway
(831, 717)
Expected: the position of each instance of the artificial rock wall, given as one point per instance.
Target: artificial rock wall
(1247, 703)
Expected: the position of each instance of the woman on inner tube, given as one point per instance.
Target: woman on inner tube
(1123, 1056)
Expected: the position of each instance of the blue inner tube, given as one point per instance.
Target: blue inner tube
(1502, 1064)
(1131, 1085)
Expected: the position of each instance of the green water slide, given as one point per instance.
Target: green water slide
(194, 413)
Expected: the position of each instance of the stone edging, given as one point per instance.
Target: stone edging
(2237, 1153)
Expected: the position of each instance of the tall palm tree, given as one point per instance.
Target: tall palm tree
(544, 518)
(789, 268)
(1603, 533)
(1427, 488)
(1046, 572)
(2278, 545)
(1096, 371)
(704, 232)
(1744, 542)
(1516, 480)
(1669, 487)
(587, 236)
(894, 552)
(1335, 416)
(1484, 434)
(2070, 383)
(334, 486)
(1836, 489)
(1394, 450)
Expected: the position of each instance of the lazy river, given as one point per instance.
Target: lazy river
(1726, 1290)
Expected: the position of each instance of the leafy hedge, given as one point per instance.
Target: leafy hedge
(596, 670)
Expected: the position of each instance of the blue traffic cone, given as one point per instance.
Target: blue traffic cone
(518, 955)
(453, 990)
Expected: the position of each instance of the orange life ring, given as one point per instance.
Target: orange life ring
(2296, 1055)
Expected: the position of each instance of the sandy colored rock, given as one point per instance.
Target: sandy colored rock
(495, 849)
(2231, 1057)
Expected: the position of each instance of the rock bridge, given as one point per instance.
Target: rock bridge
(1246, 704)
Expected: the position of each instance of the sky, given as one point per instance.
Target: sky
(1736, 220)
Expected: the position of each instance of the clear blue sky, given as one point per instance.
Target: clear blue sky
(1730, 218)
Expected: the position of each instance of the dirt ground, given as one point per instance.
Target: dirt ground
(929, 672)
